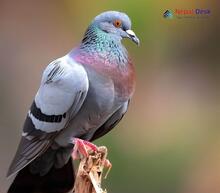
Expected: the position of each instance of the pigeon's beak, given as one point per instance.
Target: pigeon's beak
(133, 37)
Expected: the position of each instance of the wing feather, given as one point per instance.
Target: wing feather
(111, 122)
(61, 94)
(24, 155)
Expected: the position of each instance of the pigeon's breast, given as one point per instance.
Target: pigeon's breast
(100, 103)
(117, 68)
(101, 93)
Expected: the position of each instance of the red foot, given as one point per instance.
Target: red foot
(81, 147)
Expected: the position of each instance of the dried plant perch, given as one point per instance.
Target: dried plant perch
(90, 171)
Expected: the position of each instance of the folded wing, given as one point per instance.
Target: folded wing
(61, 94)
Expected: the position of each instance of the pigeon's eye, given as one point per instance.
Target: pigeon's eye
(117, 23)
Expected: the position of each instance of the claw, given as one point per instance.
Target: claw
(91, 145)
(81, 148)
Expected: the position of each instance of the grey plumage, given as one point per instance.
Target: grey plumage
(82, 95)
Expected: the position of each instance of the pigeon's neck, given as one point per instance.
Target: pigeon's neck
(98, 46)
(106, 55)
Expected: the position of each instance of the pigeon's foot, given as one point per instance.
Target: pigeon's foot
(81, 147)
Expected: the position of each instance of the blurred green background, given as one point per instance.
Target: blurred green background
(169, 140)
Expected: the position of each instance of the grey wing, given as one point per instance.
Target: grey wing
(111, 122)
(61, 94)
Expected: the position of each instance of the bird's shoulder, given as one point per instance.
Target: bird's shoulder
(62, 81)
(64, 68)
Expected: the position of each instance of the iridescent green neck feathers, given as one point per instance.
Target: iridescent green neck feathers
(103, 45)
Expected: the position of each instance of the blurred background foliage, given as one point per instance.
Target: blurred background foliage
(169, 140)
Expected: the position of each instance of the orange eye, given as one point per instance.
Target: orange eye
(117, 23)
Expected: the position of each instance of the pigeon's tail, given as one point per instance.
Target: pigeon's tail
(55, 181)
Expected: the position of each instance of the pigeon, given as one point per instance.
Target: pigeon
(82, 96)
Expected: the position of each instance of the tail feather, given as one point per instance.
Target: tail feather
(27, 152)
(55, 181)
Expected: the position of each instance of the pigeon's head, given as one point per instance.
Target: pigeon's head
(117, 24)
